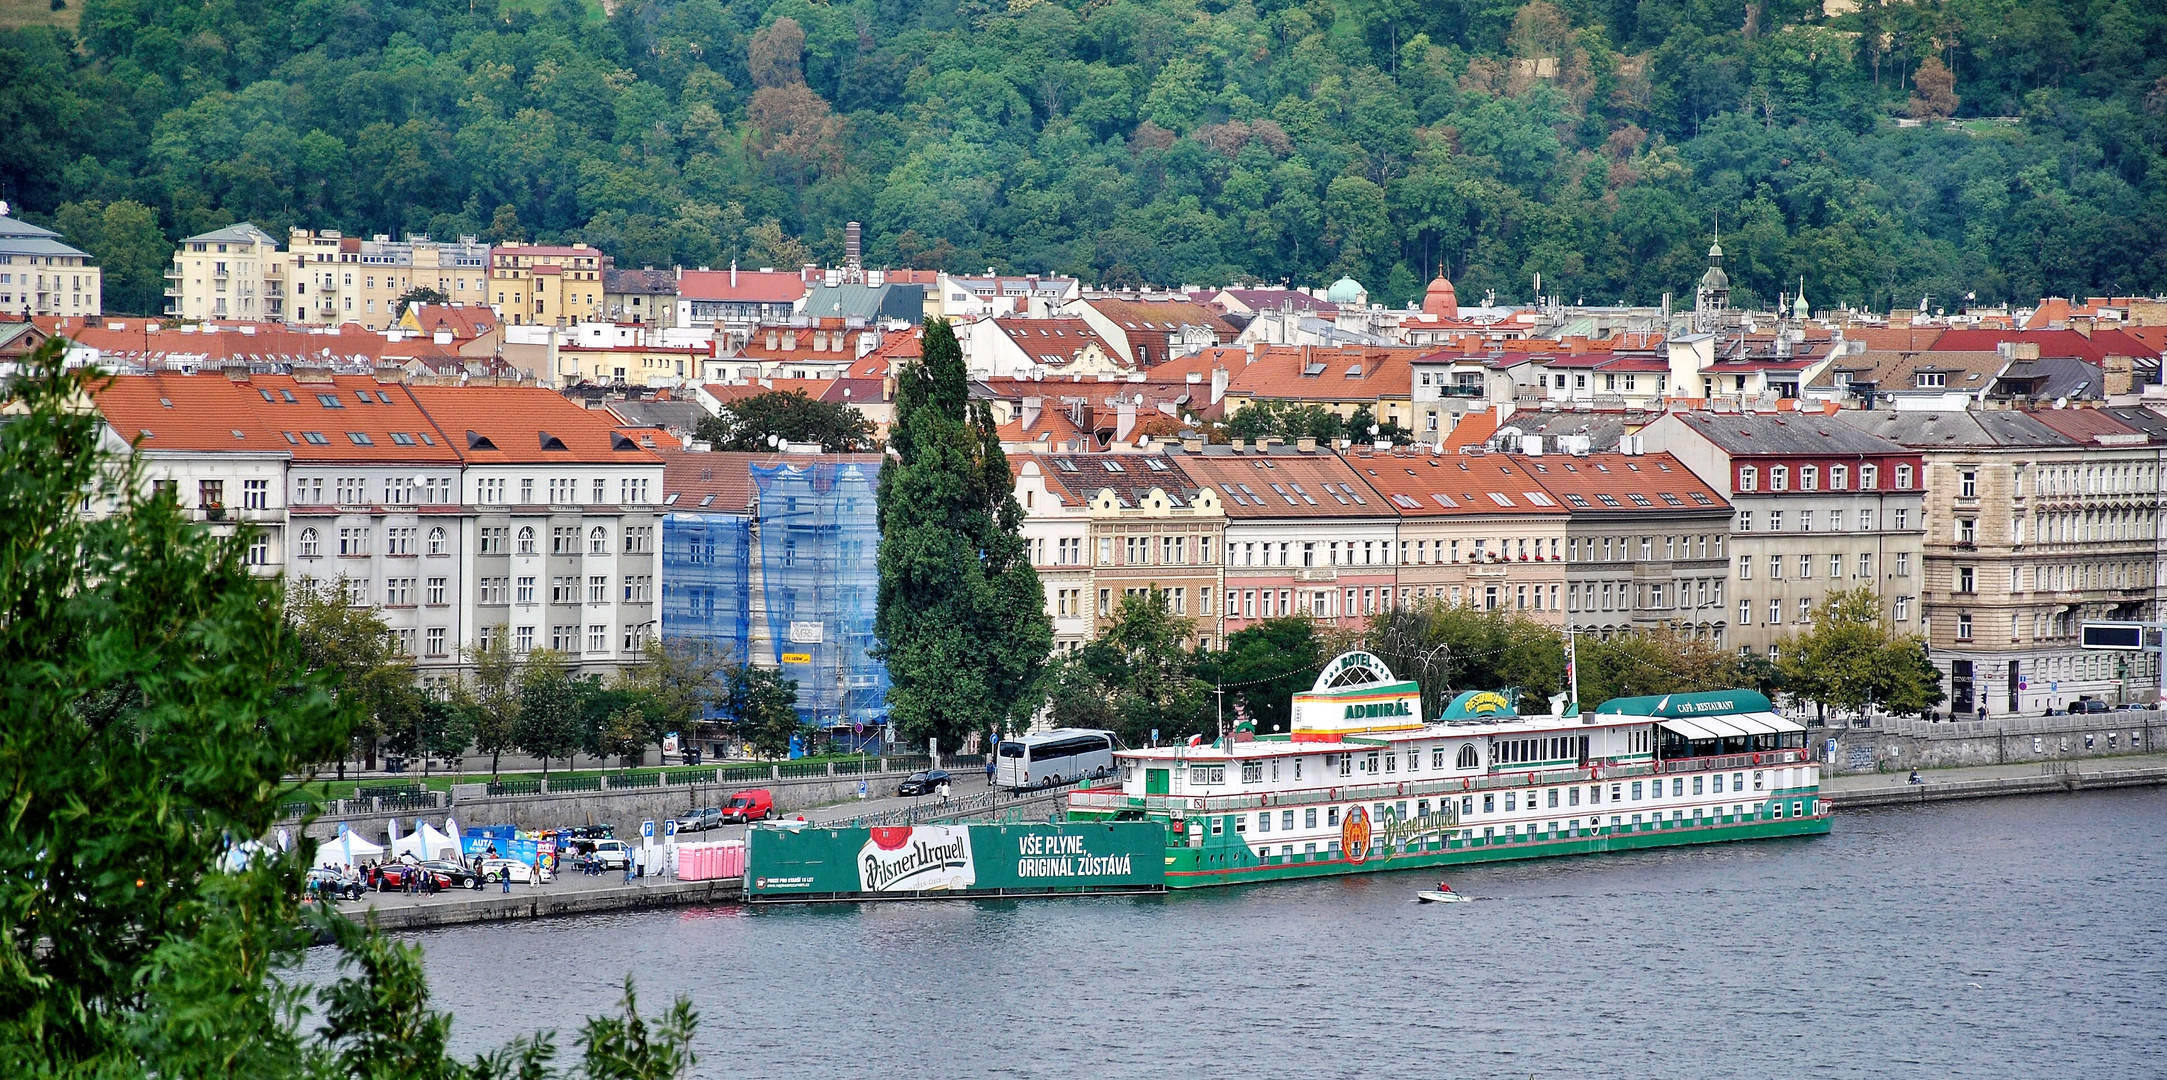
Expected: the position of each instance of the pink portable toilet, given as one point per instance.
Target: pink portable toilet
(702, 859)
(732, 860)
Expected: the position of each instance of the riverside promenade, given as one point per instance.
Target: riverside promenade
(1859, 790)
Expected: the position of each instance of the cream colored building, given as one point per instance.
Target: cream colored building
(341, 279)
(39, 275)
(2035, 522)
(233, 273)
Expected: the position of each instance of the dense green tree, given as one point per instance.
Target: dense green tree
(1138, 676)
(1657, 662)
(746, 425)
(352, 641)
(549, 716)
(1450, 648)
(491, 689)
(1851, 658)
(961, 621)
(130, 248)
(1130, 143)
(764, 706)
(1262, 667)
(165, 707)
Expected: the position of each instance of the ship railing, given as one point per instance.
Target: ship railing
(1761, 760)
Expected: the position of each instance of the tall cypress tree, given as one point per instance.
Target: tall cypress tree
(962, 622)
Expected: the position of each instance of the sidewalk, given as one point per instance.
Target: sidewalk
(1858, 782)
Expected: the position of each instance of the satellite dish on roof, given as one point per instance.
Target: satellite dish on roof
(2061, 403)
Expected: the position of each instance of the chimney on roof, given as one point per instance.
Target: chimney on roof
(1033, 408)
(1124, 419)
(1306, 446)
(1218, 383)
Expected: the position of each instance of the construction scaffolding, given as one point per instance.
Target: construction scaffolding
(820, 578)
(707, 581)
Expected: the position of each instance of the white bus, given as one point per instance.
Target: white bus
(1053, 756)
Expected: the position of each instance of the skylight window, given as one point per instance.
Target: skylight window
(1577, 501)
(330, 401)
(1639, 499)
(1064, 464)
(1304, 494)
(400, 438)
(360, 438)
(1500, 498)
(1233, 494)
(316, 438)
(1156, 464)
(1538, 498)
(1112, 466)
(288, 395)
(1607, 500)
(1404, 502)
(1702, 499)
(1444, 500)
(291, 438)
(1672, 500)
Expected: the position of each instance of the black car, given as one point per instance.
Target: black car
(923, 783)
(701, 820)
(452, 875)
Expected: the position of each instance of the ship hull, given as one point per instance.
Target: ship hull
(1236, 864)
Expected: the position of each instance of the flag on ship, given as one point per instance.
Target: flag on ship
(1196, 741)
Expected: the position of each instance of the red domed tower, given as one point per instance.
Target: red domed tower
(1440, 300)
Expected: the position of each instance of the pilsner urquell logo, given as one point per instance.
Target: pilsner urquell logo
(917, 859)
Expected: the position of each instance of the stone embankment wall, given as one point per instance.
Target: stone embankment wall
(624, 808)
(1903, 744)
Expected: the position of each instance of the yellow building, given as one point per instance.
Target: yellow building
(232, 273)
(547, 285)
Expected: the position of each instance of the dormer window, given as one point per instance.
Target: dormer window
(1932, 379)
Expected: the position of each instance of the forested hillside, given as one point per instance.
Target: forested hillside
(1136, 141)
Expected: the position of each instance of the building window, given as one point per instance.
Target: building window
(564, 540)
(1869, 477)
(597, 634)
(1749, 478)
(1903, 520)
(1967, 530)
(598, 590)
(1903, 608)
(1963, 626)
(1745, 568)
(1775, 613)
(523, 641)
(1903, 478)
(436, 641)
(1967, 483)
(259, 551)
(436, 540)
(526, 589)
(308, 543)
(1779, 478)
(1745, 613)
(255, 494)
(1809, 478)
(436, 590)
(1965, 579)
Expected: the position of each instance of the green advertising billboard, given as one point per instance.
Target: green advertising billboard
(920, 860)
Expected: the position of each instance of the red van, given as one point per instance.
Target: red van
(758, 804)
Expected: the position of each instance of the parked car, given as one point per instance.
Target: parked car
(701, 820)
(923, 783)
(495, 870)
(2088, 705)
(2133, 706)
(453, 875)
(611, 854)
(756, 804)
(324, 881)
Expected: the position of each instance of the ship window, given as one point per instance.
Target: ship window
(1553, 800)
(1264, 821)
(1512, 801)
(1677, 787)
(1738, 781)
(1636, 794)
(1572, 797)
(1467, 804)
(1617, 793)
(1286, 820)
(1756, 781)
(1309, 818)
(1696, 785)
(1716, 783)
(1467, 756)
(1331, 817)
(1489, 804)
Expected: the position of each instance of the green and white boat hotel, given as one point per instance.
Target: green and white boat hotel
(1362, 783)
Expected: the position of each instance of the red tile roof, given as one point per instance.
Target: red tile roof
(1311, 373)
(521, 425)
(170, 411)
(1054, 342)
(2092, 348)
(1622, 483)
(1285, 484)
(465, 321)
(1457, 485)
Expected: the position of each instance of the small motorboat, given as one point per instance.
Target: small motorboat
(1442, 894)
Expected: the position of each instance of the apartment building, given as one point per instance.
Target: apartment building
(194, 438)
(1057, 528)
(2032, 527)
(1822, 506)
(1152, 527)
(1475, 529)
(352, 279)
(39, 275)
(547, 285)
(235, 273)
(400, 498)
(1305, 535)
(1644, 543)
(561, 547)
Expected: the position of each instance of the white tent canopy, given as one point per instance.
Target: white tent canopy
(349, 849)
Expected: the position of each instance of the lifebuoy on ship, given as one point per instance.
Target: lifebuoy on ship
(1403, 787)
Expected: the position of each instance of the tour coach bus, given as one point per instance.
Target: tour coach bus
(1052, 756)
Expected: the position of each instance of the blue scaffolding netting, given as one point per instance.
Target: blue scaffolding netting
(707, 581)
(819, 550)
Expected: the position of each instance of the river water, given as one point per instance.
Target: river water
(2013, 937)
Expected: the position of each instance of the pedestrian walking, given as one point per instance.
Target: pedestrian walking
(505, 872)
(534, 876)
(989, 770)
(944, 793)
